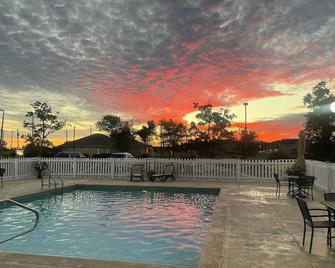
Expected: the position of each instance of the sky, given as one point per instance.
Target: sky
(151, 59)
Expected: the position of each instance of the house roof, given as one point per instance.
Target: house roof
(96, 140)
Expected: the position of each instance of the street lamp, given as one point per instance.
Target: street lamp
(1, 139)
(245, 116)
(332, 107)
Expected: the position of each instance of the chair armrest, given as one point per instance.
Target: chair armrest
(319, 209)
(315, 216)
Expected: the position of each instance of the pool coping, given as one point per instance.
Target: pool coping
(208, 256)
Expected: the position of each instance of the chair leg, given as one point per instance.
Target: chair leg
(311, 244)
(303, 239)
(277, 189)
(330, 237)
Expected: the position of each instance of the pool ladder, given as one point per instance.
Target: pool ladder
(52, 178)
(37, 219)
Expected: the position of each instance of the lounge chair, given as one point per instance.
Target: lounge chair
(2, 172)
(137, 171)
(168, 173)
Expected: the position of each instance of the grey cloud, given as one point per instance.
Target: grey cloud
(53, 44)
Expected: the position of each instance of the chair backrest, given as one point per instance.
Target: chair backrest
(2, 172)
(306, 181)
(304, 210)
(276, 177)
(169, 169)
(329, 196)
(137, 168)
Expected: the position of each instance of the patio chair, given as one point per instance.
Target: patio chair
(280, 182)
(137, 171)
(2, 172)
(305, 186)
(330, 197)
(308, 220)
(168, 173)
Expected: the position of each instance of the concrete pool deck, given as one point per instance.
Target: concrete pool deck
(251, 227)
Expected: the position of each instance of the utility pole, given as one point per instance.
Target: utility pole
(74, 138)
(90, 131)
(11, 140)
(2, 137)
(32, 127)
(17, 139)
(66, 135)
(245, 128)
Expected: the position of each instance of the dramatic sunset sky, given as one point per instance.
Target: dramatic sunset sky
(151, 59)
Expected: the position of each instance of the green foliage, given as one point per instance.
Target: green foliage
(31, 150)
(146, 132)
(320, 123)
(172, 132)
(41, 122)
(248, 143)
(211, 124)
(119, 130)
(295, 171)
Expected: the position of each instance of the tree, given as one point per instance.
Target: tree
(119, 130)
(41, 122)
(320, 123)
(248, 143)
(172, 132)
(146, 132)
(211, 124)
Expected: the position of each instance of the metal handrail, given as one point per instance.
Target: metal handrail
(37, 219)
(55, 183)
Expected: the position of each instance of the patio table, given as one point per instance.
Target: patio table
(329, 204)
(292, 180)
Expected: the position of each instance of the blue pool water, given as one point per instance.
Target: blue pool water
(137, 224)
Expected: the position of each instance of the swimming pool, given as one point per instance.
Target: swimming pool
(138, 224)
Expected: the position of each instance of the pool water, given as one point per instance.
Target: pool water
(136, 224)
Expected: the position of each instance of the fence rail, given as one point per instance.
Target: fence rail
(225, 169)
(228, 169)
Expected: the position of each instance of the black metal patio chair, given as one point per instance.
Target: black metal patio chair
(308, 220)
(280, 182)
(330, 197)
(305, 186)
(2, 172)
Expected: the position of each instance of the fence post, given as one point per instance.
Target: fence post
(193, 169)
(16, 170)
(238, 169)
(74, 166)
(113, 168)
(328, 178)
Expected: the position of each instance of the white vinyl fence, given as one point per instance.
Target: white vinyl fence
(225, 169)
(324, 173)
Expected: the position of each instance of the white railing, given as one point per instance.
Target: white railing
(227, 169)
(324, 173)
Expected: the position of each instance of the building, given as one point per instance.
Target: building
(98, 144)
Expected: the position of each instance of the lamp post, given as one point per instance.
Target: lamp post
(245, 116)
(1, 139)
(245, 128)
